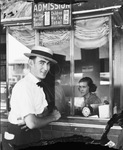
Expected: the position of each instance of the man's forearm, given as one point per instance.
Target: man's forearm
(33, 121)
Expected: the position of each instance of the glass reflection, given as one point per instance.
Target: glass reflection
(17, 62)
(91, 49)
(59, 42)
(20, 40)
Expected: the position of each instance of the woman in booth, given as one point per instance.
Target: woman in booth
(87, 89)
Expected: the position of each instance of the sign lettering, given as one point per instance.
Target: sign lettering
(51, 15)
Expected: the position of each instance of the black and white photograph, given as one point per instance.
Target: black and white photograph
(61, 74)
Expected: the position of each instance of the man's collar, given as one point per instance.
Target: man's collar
(33, 78)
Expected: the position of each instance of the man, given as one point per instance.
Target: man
(28, 102)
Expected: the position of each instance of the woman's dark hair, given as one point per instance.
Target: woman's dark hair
(92, 86)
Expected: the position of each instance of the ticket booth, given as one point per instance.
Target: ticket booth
(86, 44)
(83, 40)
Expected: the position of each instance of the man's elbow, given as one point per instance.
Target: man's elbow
(31, 125)
(31, 121)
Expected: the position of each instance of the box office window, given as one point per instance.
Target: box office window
(91, 68)
(20, 40)
(81, 52)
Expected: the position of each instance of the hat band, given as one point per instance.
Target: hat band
(42, 53)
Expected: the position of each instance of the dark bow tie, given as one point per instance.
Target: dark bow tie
(40, 84)
(49, 94)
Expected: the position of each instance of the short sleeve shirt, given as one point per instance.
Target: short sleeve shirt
(27, 98)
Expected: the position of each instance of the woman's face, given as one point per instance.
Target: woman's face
(83, 88)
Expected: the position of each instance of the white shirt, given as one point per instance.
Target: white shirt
(27, 98)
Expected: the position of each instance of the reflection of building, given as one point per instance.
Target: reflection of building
(18, 63)
(18, 50)
(17, 71)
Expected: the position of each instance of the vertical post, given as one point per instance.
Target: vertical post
(7, 67)
(72, 71)
(0, 23)
(0, 58)
(111, 79)
(37, 37)
(121, 72)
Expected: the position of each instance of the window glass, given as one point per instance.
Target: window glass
(90, 55)
(82, 52)
(91, 65)
(59, 42)
(20, 41)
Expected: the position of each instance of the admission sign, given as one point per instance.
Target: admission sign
(50, 15)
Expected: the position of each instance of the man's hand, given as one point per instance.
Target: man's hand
(22, 124)
(56, 114)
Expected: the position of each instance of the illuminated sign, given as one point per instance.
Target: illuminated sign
(50, 15)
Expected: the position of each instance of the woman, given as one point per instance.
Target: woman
(87, 89)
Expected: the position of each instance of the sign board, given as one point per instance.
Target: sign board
(50, 15)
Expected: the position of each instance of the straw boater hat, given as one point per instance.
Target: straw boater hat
(43, 52)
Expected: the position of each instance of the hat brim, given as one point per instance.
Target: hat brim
(41, 56)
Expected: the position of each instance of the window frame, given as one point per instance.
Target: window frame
(72, 65)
